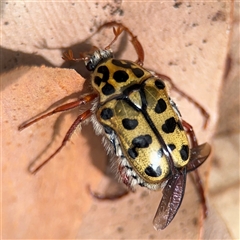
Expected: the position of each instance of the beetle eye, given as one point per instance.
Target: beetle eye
(90, 66)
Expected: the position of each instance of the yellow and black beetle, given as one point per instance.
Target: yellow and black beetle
(140, 124)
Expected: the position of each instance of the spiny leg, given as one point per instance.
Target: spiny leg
(185, 95)
(199, 153)
(189, 130)
(69, 133)
(175, 187)
(198, 181)
(68, 56)
(118, 194)
(65, 107)
(83, 100)
(110, 197)
(121, 27)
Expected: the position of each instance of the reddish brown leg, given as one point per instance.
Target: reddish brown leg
(68, 56)
(120, 28)
(197, 179)
(115, 195)
(69, 133)
(185, 95)
(83, 100)
(189, 130)
(106, 197)
(200, 189)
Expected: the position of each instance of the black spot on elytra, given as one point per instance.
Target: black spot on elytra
(161, 106)
(120, 76)
(123, 64)
(105, 73)
(169, 125)
(106, 113)
(184, 152)
(142, 141)
(159, 84)
(153, 172)
(97, 80)
(132, 153)
(138, 72)
(129, 124)
(108, 89)
(172, 146)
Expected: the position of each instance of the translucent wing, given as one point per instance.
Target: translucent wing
(172, 198)
(198, 155)
(174, 190)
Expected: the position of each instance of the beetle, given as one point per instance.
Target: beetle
(140, 124)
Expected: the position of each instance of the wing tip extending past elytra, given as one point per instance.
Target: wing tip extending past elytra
(199, 155)
(171, 200)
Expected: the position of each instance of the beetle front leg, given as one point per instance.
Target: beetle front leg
(120, 28)
(65, 107)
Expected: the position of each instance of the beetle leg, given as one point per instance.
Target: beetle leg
(83, 100)
(121, 192)
(69, 133)
(199, 186)
(124, 178)
(111, 197)
(68, 56)
(120, 28)
(199, 153)
(65, 107)
(189, 130)
(185, 95)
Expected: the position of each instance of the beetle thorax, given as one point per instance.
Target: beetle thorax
(112, 77)
(98, 56)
